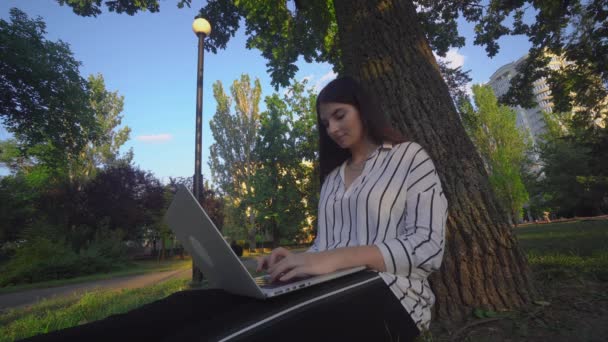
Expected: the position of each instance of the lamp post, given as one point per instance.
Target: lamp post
(201, 28)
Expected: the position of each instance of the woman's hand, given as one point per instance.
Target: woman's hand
(284, 265)
(275, 256)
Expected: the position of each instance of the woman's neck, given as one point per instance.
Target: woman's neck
(361, 151)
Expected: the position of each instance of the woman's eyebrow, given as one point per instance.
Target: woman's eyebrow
(324, 121)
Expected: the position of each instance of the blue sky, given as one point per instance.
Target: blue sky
(150, 59)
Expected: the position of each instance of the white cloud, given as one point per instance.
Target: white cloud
(453, 58)
(307, 78)
(329, 76)
(156, 138)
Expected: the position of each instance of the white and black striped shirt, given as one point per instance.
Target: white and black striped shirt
(398, 205)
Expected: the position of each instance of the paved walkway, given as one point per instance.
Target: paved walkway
(28, 297)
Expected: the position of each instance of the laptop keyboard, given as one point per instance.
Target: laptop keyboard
(266, 283)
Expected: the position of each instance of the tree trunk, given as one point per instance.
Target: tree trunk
(383, 45)
(276, 234)
(154, 247)
(251, 232)
(161, 255)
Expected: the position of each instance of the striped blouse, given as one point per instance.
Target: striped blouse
(398, 205)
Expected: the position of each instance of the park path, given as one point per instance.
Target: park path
(28, 297)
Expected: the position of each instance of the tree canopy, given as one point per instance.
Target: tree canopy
(265, 162)
(65, 130)
(92, 8)
(574, 178)
(284, 30)
(105, 150)
(232, 160)
(235, 133)
(62, 124)
(501, 144)
(44, 98)
(286, 183)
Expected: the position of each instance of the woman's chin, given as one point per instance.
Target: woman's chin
(343, 143)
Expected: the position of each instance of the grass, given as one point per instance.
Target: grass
(567, 250)
(569, 262)
(135, 268)
(50, 315)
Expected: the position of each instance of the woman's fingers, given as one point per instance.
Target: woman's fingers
(277, 255)
(289, 267)
(301, 264)
(262, 263)
(291, 274)
(280, 268)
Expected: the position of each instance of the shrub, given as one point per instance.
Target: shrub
(43, 259)
(7, 251)
(38, 260)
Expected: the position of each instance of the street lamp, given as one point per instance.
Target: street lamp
(201, 28)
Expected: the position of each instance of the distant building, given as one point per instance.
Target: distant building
(530, 119)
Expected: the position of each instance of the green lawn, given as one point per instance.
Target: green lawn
(137, 267)
(567, 250)
(50, 315)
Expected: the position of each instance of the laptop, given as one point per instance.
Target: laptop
(216, 259)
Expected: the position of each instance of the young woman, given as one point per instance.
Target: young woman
(381, 203)
(381, 206)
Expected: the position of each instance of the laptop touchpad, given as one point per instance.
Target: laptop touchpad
(200, 250)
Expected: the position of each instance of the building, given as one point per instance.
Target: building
(529, 119)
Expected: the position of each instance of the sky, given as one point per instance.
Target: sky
(150, 59)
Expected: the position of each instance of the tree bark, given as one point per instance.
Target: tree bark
(383, 46)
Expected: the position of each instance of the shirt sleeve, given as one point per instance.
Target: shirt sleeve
(419, 244)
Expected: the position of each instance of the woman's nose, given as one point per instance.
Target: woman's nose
(332, 127)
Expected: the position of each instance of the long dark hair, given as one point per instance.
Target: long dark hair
(375, 124)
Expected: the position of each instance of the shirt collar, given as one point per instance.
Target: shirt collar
(386, 145)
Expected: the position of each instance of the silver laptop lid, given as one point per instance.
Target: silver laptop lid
(195, 230)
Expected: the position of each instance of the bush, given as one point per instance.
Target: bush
(42, 259)
(108, 245)
(38, 260)
(7, 251)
